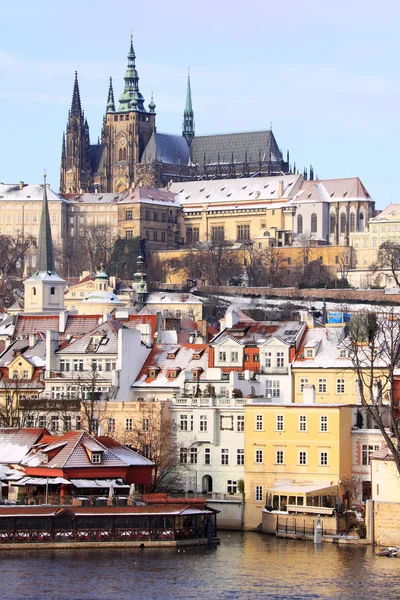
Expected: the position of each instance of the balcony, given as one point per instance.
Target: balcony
(274, 370)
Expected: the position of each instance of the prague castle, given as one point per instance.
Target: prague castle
(131, 150)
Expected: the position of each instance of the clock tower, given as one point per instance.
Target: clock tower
(126, 130)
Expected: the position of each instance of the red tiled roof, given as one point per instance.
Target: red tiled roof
(76, 324)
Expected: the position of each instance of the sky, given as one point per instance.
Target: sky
(325, 74)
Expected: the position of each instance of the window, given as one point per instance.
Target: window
(234, 356)
(183, 456)
(259, 457)
(110, 364)
(321, 386)
(128, 424)
(279, 423)
(272, 389)
(183, 423)
(240, 456)
(280, 460)
(207, 456)
(54, 423)
(155, 236)
(366, 451)
(222, 356)
(96, 458)
(332, 222)
(193, 456)
(64, 365)
(231, 486)
(352, 222)
(203, 422)
(52, 291)
(280, 359)
(147, 215)
(15, 375)
(217, 234)
(303, 382)
(77, 364)
(77, 422)
(374, 242)
(224, 456)
(42, 422)
(309, 353)
(243, 232)
(25, 375)
(67, 423)
(129, 234)
(302, 457)
(163, 236)
(145, 424)
(342, 353)
(343, 223)
(163, 217)
(340, 386)
(323, 423)
(365, 243)
(314, 223)
(268, 359)
(302, 423)
(259, 493)
(34, 291)
(259, 422)
(110, 425)
(299, 223)
(323, 459)
(240, 423)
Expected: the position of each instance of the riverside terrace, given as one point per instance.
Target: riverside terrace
(171, 522)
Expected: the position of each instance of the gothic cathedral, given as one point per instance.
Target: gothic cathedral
(133, 152)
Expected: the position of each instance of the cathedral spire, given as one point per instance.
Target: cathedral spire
(76, 109)
(131, 91)
(188, 114)
(45, 252)
(110, 100)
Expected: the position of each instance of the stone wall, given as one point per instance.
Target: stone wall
(386, 523)
(269, 521)
(375, 296)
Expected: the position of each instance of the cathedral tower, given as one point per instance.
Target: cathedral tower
(126, 130)
(76, 168)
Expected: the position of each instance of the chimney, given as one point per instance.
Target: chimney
(280, 188)
(100, 431)
(231, 318)
(21, 185)
(202, 327)
(62, 320)
(32, 340)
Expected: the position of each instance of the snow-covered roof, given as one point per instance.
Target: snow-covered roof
(173, 298)
(15, 443)
(30, 192)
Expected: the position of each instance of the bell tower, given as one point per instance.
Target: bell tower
(126, 130)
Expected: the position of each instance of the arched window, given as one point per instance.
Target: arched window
(333, 224)
(34, 291)
(361, 221)
(314, 223)
(124, 154)
(289, 261)
(343, 223)
(120, 154)
(299, 223)
(352, 222)
(52, 291)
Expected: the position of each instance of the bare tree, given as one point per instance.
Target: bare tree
(97, 242)
(305, 242)
(373, 344)
(344, 264)
(12, 252)
(93, 401)
(389, 258)
(154, 436)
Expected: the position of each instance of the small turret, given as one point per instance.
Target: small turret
(152, 106)
(110, 99)
(140, 283)
(188, 114)
(131, 87)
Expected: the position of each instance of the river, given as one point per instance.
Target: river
(245, 566)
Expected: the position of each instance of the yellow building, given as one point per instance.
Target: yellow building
(294, 456)
(384, 227)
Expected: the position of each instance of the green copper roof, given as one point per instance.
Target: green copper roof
(131, 87)
(45, 250)
(188, 107)
(110, 99)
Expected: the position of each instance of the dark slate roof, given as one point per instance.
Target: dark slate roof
(97, 158)
(168, 148)
(255, 143)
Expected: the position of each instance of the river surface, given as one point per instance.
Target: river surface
(244, 566)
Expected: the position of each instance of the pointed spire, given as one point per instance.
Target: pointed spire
(63, 147)
(152, 106)
(110, 99)
(45, 252)
(188, 114)
(131, 88)
(76, 109)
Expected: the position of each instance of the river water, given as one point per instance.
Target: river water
(245, 566)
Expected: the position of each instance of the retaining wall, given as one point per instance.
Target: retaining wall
(386, 523)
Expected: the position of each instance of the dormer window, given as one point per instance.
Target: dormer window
(45, 458)
(196, 372)
(172, 354)
(310, 353)
(173, 374)
(342, 353)
(96, 458)
(198, 354)
(153, 371)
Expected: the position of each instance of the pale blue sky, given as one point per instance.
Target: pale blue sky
(326, 74)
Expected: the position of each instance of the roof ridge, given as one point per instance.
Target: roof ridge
(73, 449)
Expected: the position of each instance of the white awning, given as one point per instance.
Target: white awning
(99, 483)
(42, 481)
(309, 488)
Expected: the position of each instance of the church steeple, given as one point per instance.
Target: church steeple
(110, 99)
(45, 252)
(188, 114)
(76, 109)
(131, 88)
